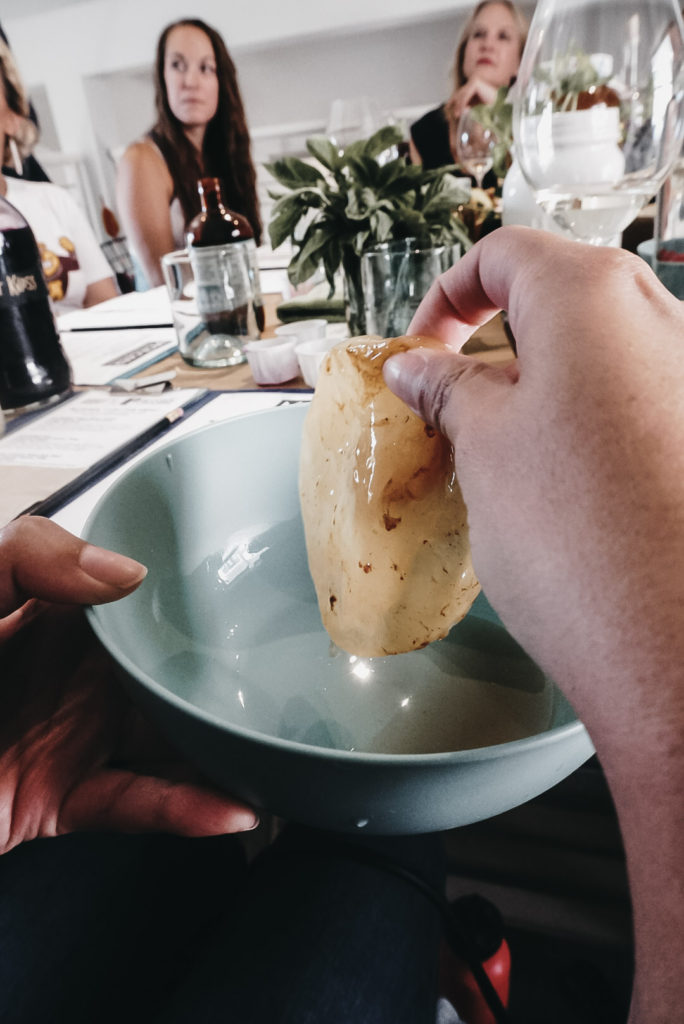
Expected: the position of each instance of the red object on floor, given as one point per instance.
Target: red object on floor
(482, 921)
(464, 994)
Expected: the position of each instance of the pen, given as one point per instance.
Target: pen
(116, 327)
(119, 327)
(117, 457)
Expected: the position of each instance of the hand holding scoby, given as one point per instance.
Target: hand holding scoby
(571, 462)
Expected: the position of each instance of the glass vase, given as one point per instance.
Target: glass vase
(395, 277)
(353, 294)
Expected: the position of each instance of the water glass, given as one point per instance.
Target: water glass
(665, 251)
(214, 304)
(598, 110)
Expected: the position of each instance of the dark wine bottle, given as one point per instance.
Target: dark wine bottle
(215, 224)
(214, 229)
(33, 366)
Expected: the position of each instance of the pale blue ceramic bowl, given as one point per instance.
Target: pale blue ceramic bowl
(224, 648)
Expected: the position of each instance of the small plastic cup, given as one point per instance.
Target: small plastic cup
(272, 360)
(310, 355)
(305, 330)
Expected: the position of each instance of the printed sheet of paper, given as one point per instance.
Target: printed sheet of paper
(136, 309)
(99, 357)
(54, 447)
(223, 406)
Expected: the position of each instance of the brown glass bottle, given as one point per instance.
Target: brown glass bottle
(217, 226)
(33, 367)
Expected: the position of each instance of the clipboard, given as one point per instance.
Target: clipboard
(69, 446)
(25, 485)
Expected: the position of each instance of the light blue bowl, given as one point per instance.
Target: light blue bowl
(223, 646)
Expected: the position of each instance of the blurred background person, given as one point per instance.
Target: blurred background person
(201, 131)
(75, 268)
(487, 58)
(30, 168)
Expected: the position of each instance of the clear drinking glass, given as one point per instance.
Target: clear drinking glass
(665, 251)
(475, 145)
(352, 119)
(669, 217)
(214, 303)
(598, 108)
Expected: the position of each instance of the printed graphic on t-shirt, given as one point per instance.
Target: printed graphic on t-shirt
(56, 268)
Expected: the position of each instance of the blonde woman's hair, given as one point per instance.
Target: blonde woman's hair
(26, 134)
(520, 22)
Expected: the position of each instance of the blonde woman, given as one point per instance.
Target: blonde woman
(487, 58)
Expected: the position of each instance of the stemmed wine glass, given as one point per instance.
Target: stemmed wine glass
(475, 144)
(598, 107)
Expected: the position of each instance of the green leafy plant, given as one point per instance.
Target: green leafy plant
(351, 200)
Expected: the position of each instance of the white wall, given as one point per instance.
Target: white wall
(91, 61)
(60, 47)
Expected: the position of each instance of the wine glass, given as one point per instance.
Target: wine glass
(353, 119)
(597, 110)
(475, 144)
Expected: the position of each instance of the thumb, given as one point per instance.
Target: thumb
(38, 559)
(447, 389)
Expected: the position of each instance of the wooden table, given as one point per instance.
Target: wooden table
(24, 485)
(489, 343)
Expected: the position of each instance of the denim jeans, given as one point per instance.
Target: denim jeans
(104, 928)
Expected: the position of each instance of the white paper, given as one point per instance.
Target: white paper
(227, 404)
(99, 357)
(84, 429)
(223, 406)
(135, 309)
(274, 281)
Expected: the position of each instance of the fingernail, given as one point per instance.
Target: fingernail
(109, 567)
(401, 373)
(407, 364)
(392, 368)
(250, 824)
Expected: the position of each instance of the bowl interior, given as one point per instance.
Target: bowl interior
(227, 618)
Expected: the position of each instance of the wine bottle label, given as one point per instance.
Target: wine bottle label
(213, 298)
(20, 286)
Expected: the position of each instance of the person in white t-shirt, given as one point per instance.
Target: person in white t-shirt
(75, 268)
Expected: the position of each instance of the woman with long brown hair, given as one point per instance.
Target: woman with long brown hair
(487, 58)
(201, 131)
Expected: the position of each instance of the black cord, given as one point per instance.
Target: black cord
(458, 939)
